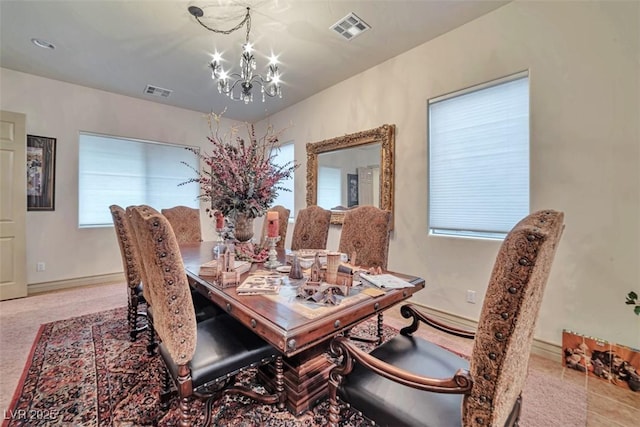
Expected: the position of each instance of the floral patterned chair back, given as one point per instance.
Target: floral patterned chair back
(130, 263)
(499, 360)
(167, 282)
(311, 228)
(146, 292)
(283, 217)
(185, 222)
(199, 357)
(409, 380)
(366, 231)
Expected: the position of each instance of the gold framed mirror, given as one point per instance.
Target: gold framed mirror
(355, 169)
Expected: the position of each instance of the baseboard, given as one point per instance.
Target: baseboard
(36, 288)
(539, 347)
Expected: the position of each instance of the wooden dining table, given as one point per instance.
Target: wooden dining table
(299, 329)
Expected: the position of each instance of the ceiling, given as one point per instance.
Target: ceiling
(123, 46)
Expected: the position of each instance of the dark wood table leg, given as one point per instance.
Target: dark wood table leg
(305, 378)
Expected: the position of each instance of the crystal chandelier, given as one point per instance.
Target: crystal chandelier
(239, 86)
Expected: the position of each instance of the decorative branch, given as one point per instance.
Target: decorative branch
(240, 175)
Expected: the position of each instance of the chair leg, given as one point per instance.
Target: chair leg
(275, 394)
(335, 379)
(514, 416)
(185, 391)
(132, 314)
(185, 416)
(379, 333)
(152, 345)
(343, 366)
(166, 393)
(334, 412)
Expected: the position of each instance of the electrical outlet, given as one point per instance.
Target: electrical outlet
(40, 266)
(471, 297)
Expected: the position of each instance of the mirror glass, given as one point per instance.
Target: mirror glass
(352, 170)
(349, 177)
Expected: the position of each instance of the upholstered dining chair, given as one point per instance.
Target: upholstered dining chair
(410, 381)
(146, 291)
(365, 233)
(283, 218)
(132, 269)
(311, 228)
(203, 307)
(185, 222)
(201, 357)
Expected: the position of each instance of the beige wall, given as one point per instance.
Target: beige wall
(61, 110)
(583, 59)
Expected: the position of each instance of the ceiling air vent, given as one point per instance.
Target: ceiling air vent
(157, 91)
(350, 26)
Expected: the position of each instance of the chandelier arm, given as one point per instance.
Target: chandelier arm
(247, 20)
(270, 89)
(234, 85)
(271, 92)
(257, 78)
(236, 75)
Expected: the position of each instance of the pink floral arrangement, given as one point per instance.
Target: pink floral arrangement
(251, 252)
(240, 175)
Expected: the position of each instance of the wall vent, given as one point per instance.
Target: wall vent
(157, 91)
(350, 26)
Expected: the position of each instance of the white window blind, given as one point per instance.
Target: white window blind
(479, 159)
(131, 172)
(329, 187)
(285, 198)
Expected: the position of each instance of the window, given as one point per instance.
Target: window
(479, 159)
(131, 172)
(329, 187)
(284, 155)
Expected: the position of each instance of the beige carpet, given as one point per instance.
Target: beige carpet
(20, 320)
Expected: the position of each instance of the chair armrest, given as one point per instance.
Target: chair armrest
(409, 310)
(460, 383)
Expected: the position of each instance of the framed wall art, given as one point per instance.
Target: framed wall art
(352, 190)
(41, 165)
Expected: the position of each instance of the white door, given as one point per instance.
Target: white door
(13, 205)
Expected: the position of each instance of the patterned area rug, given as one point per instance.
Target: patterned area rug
(85, 372)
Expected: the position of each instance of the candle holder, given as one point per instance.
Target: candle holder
(219, 246)
(220, 231)
(272, 262)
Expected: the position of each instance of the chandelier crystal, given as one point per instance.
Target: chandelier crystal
(239, 86)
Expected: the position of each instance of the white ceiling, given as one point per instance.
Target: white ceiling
(122, 46)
